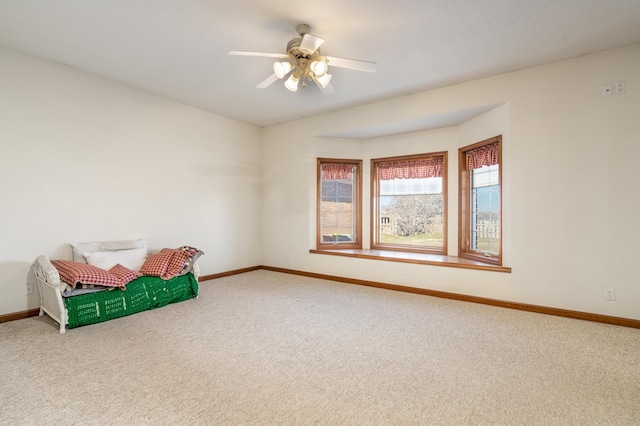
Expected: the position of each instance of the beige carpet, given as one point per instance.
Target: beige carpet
(267, 348)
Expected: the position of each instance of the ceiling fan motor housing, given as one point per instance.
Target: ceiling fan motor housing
(294, 51)
(301, 57)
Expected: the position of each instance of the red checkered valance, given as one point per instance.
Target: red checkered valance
(337, 171)
(486, 155)
(411, 169)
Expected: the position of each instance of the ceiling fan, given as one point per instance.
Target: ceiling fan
(304, 63)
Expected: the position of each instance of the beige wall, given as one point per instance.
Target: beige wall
(569, 170)
(84, 158)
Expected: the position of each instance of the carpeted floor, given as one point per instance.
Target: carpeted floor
(267, 348)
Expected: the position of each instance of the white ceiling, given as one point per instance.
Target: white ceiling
(178, 48)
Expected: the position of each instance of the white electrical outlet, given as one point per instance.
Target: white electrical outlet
(405, 271)
(610, 293)
(286, 256)
(621, 87)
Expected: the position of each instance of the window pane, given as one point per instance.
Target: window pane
(434, 185)
(401, 186)
(412, 219)
(337, 227)
(337, 217)
(485, 210)
(411, 212)
(485, 176)
(418, 186)
(386, 187)
(345, 189)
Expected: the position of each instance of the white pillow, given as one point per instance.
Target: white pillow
(132, 259)
(79, 249)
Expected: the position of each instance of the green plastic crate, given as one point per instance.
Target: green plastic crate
(141, 294)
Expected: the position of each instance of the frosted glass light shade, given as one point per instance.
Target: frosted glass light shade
(292, 83)
(282, 68)
(319, 68)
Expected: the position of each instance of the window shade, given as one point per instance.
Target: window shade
(411, 169)
(337, 171)
(486, 155)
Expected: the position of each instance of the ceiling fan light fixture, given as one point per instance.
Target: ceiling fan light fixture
(324, 80)
(320, 67)
(282, 68)
(303, 62)
(292, 83)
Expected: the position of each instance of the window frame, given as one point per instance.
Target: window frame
(375, 201)
(464, 212)
(357, 205)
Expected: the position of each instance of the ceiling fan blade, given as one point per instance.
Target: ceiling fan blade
(327, 90)
(311, 43)
(352, 64)
(263, 54)
(268, 81)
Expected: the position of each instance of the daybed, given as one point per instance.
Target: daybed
(112, 279)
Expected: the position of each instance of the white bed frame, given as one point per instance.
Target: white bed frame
(51, 289)
(50, 295)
